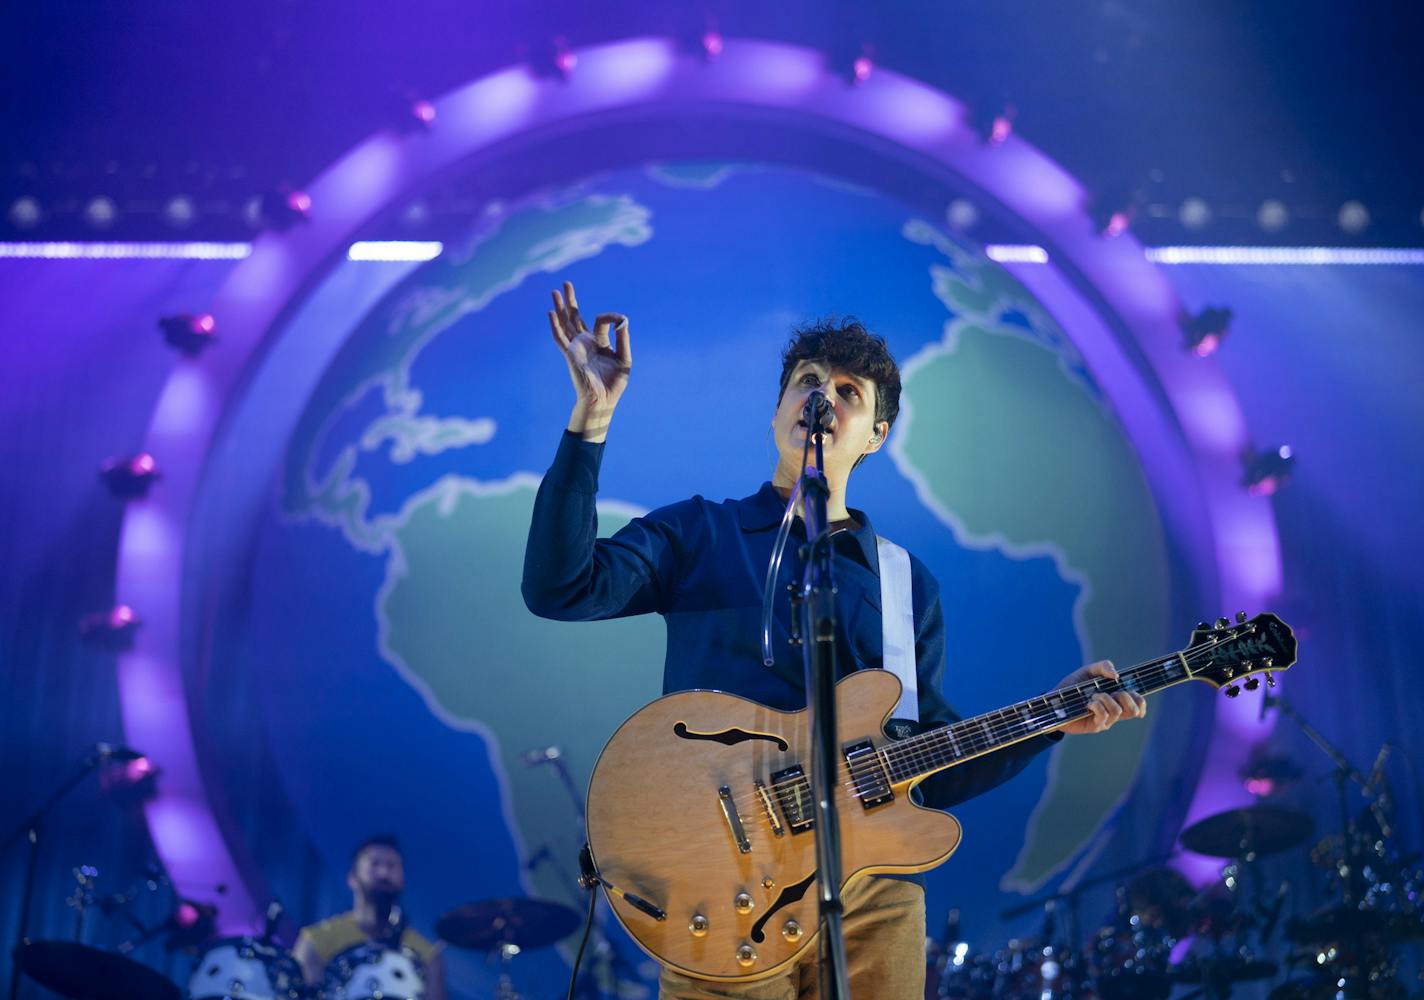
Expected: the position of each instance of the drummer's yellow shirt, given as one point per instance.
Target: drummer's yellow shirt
(334, 935)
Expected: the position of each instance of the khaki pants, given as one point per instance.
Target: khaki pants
(884, 928)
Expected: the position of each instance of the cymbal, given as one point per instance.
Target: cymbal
(84, 973)
(527, 923)
(1258, 829)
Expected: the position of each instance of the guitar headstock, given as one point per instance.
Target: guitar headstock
(1230, 655)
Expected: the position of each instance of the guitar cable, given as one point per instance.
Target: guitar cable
(583, 941)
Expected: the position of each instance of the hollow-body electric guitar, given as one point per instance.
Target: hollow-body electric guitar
(700, 806)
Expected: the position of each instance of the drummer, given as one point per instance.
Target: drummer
(376, 878)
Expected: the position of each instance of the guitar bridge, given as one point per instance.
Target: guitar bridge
(734, 820)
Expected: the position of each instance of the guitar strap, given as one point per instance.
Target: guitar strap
(897, 622)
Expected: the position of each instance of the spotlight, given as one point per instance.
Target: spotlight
(1354, 217)
(190, 333)
(995, 122)
(1272, 216)
(111, 630)
(861, 68)
(852, 62)
(100, 212)
(409, 111)
(1195, 213)
(1113, 212)
(961, 215)
(130, 782)
(712, 44)
(1266, 472)
(180, 211)
(130, 477)
(189, 925)
(1265, 776)
(282, 208)
(1206, 330)
(25, 213)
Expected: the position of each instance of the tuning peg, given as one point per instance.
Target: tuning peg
(1232, 690)
(1241, 618)
(1270, 680)
(1252, 683)
(1222, 623)
(1203, 627)
(1267, 662)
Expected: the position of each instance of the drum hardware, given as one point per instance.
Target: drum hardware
(504, 928)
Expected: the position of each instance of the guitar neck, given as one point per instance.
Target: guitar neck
(919, 756)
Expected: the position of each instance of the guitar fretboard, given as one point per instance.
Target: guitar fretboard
(957, 742)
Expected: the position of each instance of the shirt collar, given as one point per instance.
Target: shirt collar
(763, 510)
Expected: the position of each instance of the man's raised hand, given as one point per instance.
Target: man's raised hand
(598, 367)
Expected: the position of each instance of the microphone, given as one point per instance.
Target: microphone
(542, 755)
(817, 411)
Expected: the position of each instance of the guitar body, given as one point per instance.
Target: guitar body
(661, 826)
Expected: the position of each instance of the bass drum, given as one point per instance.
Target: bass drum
(244, 968)
(375, 972)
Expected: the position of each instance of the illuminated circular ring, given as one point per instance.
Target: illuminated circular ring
(1178, 411)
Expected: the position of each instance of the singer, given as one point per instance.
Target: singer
(701, 565)
(373, 925)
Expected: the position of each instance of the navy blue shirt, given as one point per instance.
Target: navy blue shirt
(702, 565)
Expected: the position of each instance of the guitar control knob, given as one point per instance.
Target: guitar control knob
(1241, 618)
(1222, 623)
(746, 956)
(1232, 690)
(743, 903)
(791, 931)
(1252, 683)
(768, 883)
(698, 925)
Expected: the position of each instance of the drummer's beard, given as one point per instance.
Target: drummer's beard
(383, 898)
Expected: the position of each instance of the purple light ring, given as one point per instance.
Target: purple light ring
(639, 72)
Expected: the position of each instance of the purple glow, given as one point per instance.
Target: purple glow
(127, 251)
(1260, 787)
(187, 400)
(712, 44)
(424, 112)
(564, 58)
(1285, 255)
(1006, 253)
(626, 70)
(299, 202)
(909, 112)
(862, 69)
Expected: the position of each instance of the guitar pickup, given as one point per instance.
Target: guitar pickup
(734, 819)
(793, 794)
(867, 770)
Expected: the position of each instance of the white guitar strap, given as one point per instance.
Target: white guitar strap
(897, 622)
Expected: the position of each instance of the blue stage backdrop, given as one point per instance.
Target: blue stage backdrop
(371, 667)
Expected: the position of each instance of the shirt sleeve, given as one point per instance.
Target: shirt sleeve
(965, 781)
(570, 574)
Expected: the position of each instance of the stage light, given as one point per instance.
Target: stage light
(565, 59)
(1195, 213)
(994, 122)
(1112, 213)
(188, 332)
(961, 215)
(1206, 330)
(130, 477)
(1272, 216)
(130, 782)
(25, 213)
(111, 630)
(180, 211)
(1267, 775)
(189, 925)
(423, 112)
(280, 209)
(712, 44)
(101, 212)
(1354, 217)
(1265, 472)
(861, 69)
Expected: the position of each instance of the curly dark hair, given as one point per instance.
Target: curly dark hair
(375, 840)
(846, 345)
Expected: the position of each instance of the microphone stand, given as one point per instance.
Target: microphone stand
(30, 831)
(818, 610)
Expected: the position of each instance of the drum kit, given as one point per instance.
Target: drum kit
(1168, 939)
(258, 968)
